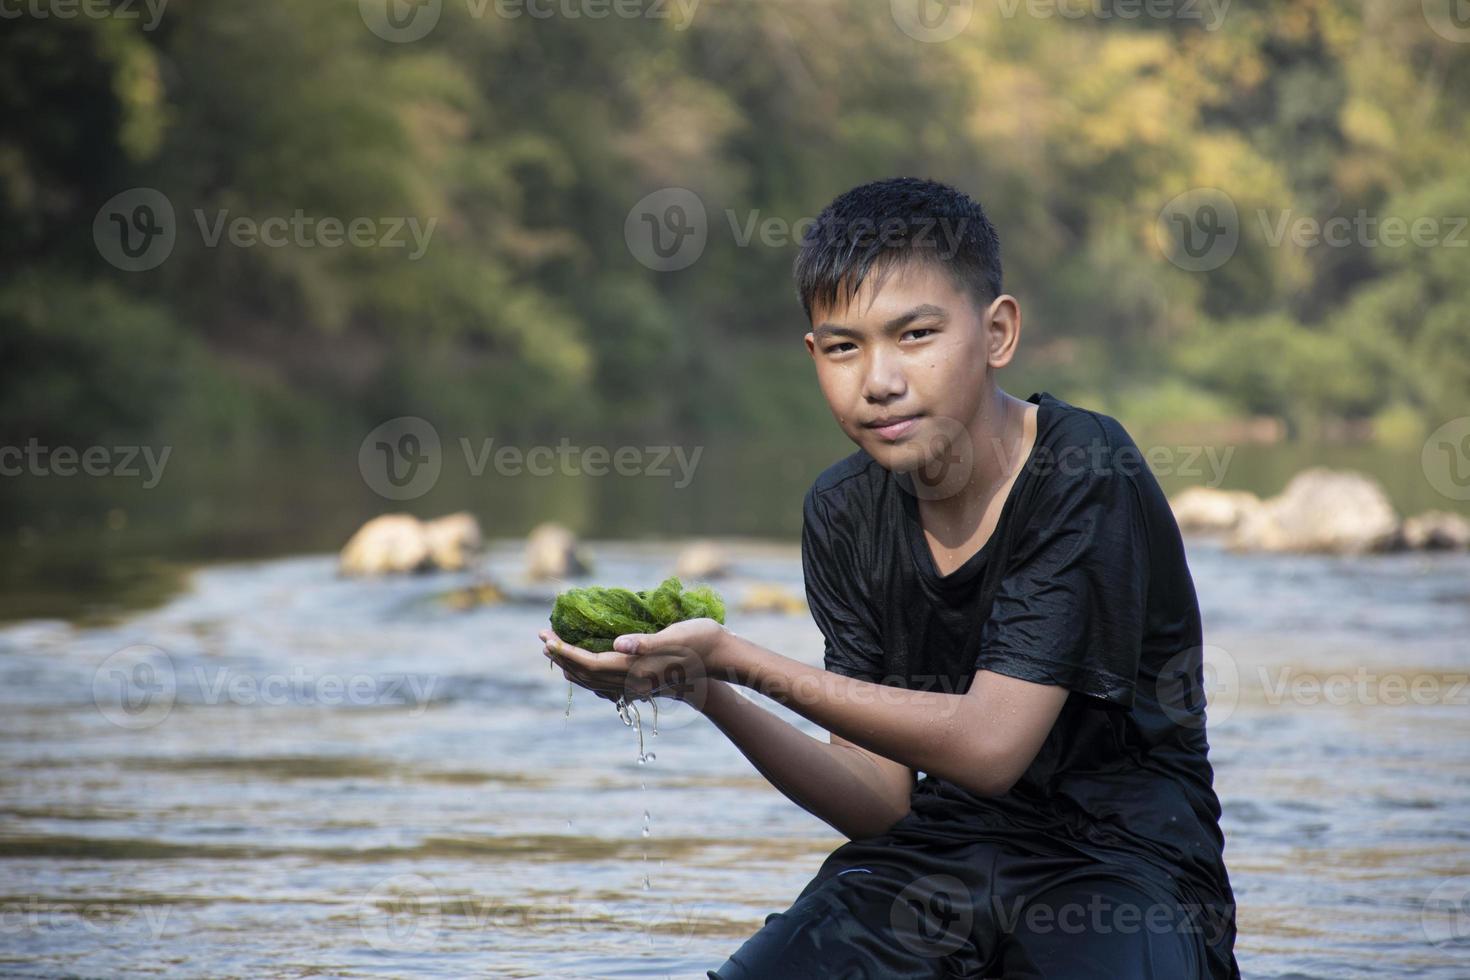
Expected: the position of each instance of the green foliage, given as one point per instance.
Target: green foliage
(526, 142)
(81, 359)
(593, 617)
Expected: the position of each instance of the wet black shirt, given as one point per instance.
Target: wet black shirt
(1083, 584)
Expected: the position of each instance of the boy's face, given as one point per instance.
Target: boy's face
(914, 351)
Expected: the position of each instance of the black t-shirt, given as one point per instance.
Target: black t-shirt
(1083, 584)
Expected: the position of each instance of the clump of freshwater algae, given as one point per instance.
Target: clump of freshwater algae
(592, 617)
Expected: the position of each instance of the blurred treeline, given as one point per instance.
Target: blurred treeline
(530, 139)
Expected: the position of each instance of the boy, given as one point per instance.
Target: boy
(1007, 610)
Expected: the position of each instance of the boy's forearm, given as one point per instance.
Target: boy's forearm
(927, 731)
(835, 783)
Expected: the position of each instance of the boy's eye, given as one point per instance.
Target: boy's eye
(838, 347)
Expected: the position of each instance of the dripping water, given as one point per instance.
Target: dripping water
(551, 665)
(628, 712)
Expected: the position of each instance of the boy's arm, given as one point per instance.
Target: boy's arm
(856, 792)
(982, 740)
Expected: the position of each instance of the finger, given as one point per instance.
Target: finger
(634, 643)
(586, 659)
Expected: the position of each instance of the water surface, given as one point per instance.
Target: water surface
(351, 779)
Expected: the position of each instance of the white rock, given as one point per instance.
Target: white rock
(701, 559)
(452, 540)
(1322, 510)
(1437, 529)
(396, 543)
(1208, 509)
(552, 551)
(387, 544)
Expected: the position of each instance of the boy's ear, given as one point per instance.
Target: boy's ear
(1002, 326)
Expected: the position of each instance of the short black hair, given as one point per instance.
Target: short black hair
(893, 222)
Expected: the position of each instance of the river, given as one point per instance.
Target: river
(350, 778)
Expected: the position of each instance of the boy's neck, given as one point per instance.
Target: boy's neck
(1001, 434)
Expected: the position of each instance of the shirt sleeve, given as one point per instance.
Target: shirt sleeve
(833, 592)
(1071, 604)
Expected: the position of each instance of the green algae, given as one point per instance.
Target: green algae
(592, 617)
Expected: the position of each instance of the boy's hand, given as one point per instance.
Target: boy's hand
(673, 662)
(604, 674)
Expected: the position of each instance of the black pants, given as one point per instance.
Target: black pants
(900, 908)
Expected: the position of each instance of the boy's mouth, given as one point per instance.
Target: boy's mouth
(892, 427)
